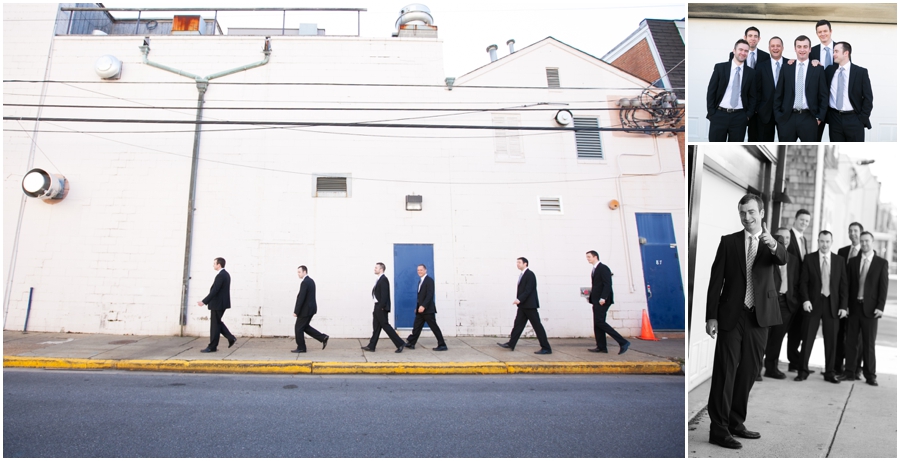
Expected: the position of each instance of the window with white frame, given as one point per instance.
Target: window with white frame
(508, 143)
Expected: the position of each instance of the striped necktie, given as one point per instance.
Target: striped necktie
(736, 88)
(826, 276)
(862, 277)
(839, 98)
(801, 80)
(751, 256)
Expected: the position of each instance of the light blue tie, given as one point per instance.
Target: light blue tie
(777, 71)
(828, 61)
(839, 99)
(798, 98)
(736, 88)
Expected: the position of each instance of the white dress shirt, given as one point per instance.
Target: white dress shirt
(832, 98)
(726, 100)
(373, 286)
(774, 63)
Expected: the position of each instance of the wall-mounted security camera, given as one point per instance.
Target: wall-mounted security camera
(108, 67)
(45, 186)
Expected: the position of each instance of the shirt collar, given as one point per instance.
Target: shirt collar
(733, 66)
(869, 255)
(596, 264)
(747, 234)
(846, 66)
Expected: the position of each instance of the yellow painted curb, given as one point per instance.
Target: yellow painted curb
(594, 367)
(410, 368)
(217, 366)
(11, 361)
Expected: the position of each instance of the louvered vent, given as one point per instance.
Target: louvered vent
(551, 205)
(552, 77)
(588, 142)
(331, 186)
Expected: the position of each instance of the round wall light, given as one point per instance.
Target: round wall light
(46, 186)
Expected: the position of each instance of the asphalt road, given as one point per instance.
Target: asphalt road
(131, 414)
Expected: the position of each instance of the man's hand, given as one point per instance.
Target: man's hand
(818, 122)
(295, 315)
(807, 306)
(815, 62)
(602, 301)
(421, 309)
(842, 313)
(766, 237)
(878, 313)
(199, 303)
(712, 327)
(516, 302)
(791, 62)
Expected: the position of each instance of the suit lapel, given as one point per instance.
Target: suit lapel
(742, 250)
(850, 84)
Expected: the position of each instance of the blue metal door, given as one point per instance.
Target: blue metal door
(407, 258)
(662, 271)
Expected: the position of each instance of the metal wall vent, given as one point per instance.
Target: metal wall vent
(588, 142)
(551, 204)
(331, 186)
(552, 77)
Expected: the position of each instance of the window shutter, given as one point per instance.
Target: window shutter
(507, 143)
(588, 142)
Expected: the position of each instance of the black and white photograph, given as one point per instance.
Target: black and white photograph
(808, 72)
(792, 301)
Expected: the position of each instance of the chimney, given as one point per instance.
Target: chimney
(512, 47)
(493, 51)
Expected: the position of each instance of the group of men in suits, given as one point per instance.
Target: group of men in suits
(756, 92)
(761, 285)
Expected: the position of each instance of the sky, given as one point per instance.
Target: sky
(885, 167)
(466, 27)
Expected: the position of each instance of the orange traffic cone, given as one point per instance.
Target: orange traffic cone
(647, 329)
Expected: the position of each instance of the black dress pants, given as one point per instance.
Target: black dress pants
(798, 125)
(522, 317)
(821, 311)
(845, 127)
(601, 328)
(419, 322)
(736, 364)
(380, 322)
(728, 127)
(795, 338)
(216, 328)
(868, 327)
(302, 326)
(776, 335)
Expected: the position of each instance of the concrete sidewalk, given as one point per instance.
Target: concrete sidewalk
(466, 355)
(808, 419)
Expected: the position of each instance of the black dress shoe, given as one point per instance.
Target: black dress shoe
(231, 341)
(399, 349)
(759, 377)
(298, 351)
(544, 352)
(774, 374)
(801, 376)
(208, 350)
(440, 348)
(846, 377)
(745, 434)
(367, 348)
(727, 442)
(859, 376)
(506, 346)
(624, 347)
(871, 382)
(598, 350)
(325, 341)
(832, 379)
(410, 346)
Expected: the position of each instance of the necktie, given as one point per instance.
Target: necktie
(853, 252)
(736, 88)
(801, 79)
(592, 271)
(751, 256)
(826, 276)
(862, 277)
(520, 276)
(827, 56)
(420, 283)
(839, 99)
(801, 243)
(777, 71)
(753, 59)
(783, 287)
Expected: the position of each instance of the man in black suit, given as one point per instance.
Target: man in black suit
(218, 299)
(740, 305)
(850, 100)
(528, 304)
(787, 282)
(381, 294)
(848, 253)
(769, 73)
(755, 58)
(823, 55)
(868, 287)
(801, 102)
(304, 309)
(600, 299)
(823, 293)
(731, 97)
(425, 311)
(799, 248)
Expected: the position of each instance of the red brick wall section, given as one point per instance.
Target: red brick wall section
(638, 61)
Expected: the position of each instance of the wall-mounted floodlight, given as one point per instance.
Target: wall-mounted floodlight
(108, 67)
(413, 203)
(46, 186)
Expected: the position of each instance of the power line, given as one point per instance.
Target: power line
(384, 109)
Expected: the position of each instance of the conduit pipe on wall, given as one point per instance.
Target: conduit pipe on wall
(202, 85)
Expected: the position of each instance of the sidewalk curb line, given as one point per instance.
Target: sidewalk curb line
(306, 367)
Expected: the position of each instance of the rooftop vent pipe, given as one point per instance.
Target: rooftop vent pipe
(511, 43)
(493, 51)
(415, 13)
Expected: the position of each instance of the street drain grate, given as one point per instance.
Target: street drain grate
(124, 341)
(290, 386)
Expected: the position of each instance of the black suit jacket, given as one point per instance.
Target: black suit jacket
(815, 53)
(794, 246)
(811, 282)
(219, 297)
(767, 86)
(876, 285)
(719, 82)
(760, 56)
(728, 282)
(425, 296)
(601, 285)
(382, 292)
(815, 88)
(845, 253)
(793, 282)
(859, 91)
(526, 291)
(306, 300)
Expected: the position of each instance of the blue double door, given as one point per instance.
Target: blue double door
(662, 271)
(407, 258)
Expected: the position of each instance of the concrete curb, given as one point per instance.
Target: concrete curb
(302, 367)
